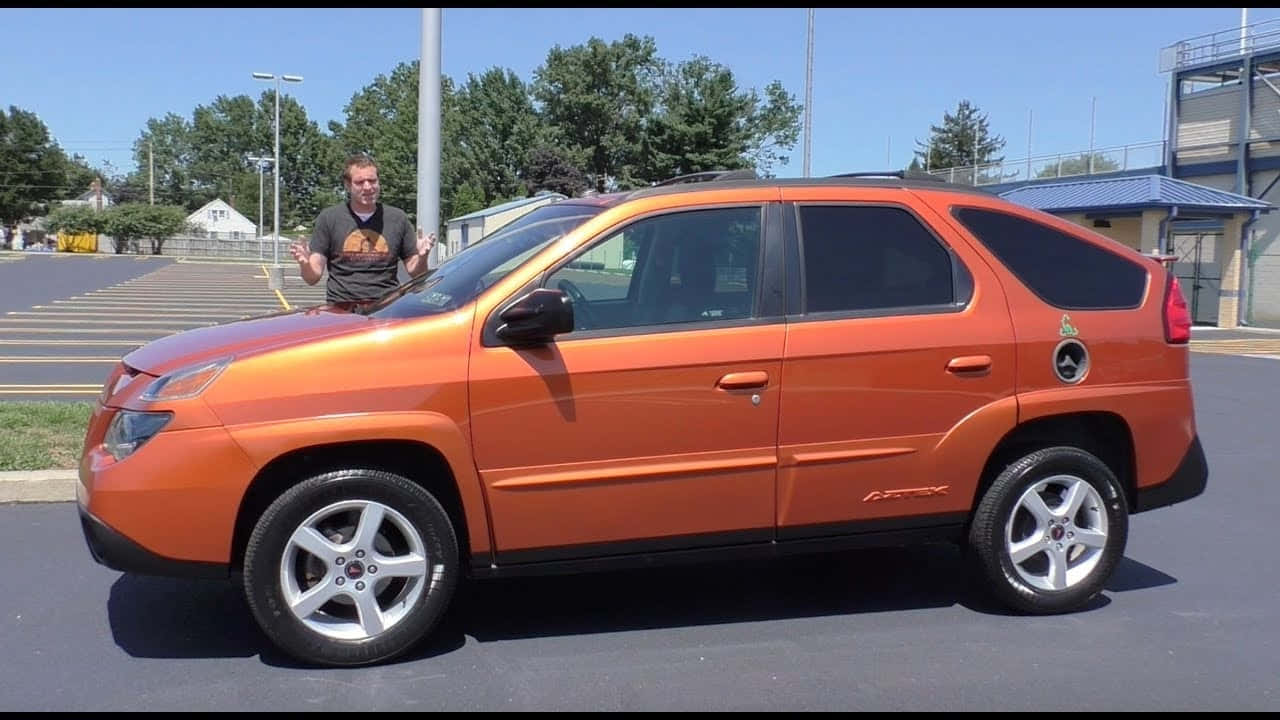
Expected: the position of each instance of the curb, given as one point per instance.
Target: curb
(38, 486)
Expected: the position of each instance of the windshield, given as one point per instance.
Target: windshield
(464, 276)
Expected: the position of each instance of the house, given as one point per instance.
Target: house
(219, 219)
(91, 199)
(462, 232)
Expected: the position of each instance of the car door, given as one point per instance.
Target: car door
(898, 376)
(653, 424)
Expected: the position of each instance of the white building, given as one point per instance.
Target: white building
(219, 219)
(467, 230)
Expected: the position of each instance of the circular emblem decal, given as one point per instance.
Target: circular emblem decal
(1070, 361)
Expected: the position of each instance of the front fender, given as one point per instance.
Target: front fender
(264, 442)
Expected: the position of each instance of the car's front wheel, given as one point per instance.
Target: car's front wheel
(351, 567)
(1050, 530)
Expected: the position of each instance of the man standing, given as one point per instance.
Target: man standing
(361, 242)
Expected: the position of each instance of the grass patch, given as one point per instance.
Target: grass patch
(42, 435)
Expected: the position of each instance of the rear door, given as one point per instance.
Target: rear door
(898, 375)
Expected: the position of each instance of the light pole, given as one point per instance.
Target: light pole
(260, 161)
(277, 280)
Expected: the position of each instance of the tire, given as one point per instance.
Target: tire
(327, 591)
(1036, 554)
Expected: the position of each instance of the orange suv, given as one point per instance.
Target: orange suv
(692, 370)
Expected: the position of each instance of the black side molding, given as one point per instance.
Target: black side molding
(114, 550)
(1187, 481)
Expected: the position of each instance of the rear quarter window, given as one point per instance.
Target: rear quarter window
(1063, 270)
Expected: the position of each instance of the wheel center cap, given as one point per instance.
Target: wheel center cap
(355, 570)
(1057, 532)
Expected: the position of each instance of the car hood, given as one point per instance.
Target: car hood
(245, 337)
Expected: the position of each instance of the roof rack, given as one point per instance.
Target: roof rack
(901, 174)
(708, 176)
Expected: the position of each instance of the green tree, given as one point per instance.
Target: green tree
(705, 122)
(33, 169)
(1079, 166)
(310, 164)
(953, 143)
(80, 176)
(497, 129)
(599, 97)
(224, 133)
(131, 223)
(74, 220)
(167, 145)
(468, 199)
(552, 168)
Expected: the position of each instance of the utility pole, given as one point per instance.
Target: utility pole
(151, 160)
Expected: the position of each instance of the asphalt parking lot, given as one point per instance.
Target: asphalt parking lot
(66, 319)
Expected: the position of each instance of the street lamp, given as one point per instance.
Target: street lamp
(276, 240)
(261, 162)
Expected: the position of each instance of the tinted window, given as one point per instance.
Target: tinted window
(1065, 271)
(697, 266)
(870, 258)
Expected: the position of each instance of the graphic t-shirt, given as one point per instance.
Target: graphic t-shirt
(363, 255)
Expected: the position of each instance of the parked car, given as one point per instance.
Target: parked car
(788, 366)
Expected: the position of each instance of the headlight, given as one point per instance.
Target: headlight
(187, 382)
(129, 430)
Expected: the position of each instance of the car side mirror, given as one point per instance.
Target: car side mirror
(536, 318)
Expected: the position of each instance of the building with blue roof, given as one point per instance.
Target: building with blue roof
(1150, 213)
(466, 230)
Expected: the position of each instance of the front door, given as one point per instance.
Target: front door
(653, 424)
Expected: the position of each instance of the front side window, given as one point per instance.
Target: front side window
(868, 258)
(685, 267)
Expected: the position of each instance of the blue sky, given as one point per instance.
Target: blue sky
(880, 77)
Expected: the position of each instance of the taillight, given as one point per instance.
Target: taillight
(1177, 319)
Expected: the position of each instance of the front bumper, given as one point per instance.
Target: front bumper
(118, 552)
(172, 503)
(1188, 481)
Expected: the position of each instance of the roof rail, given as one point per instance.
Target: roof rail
(902, 174)
(708, 176)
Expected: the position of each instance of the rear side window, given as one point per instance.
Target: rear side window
(865, 258)
(1065, 271)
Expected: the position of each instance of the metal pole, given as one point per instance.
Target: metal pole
(151, 159)
(1244, 20)
(261, 163)
(429, 119)
(260, 209)
(808, 96)
(275, 241)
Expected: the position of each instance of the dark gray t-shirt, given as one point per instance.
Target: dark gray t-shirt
(363, 256)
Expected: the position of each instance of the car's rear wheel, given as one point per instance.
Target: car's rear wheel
(351, 567)
(1050, 530)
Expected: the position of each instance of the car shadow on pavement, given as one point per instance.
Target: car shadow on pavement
(173, 618)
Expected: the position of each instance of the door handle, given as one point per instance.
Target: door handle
(970, 364)
(743, 380)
